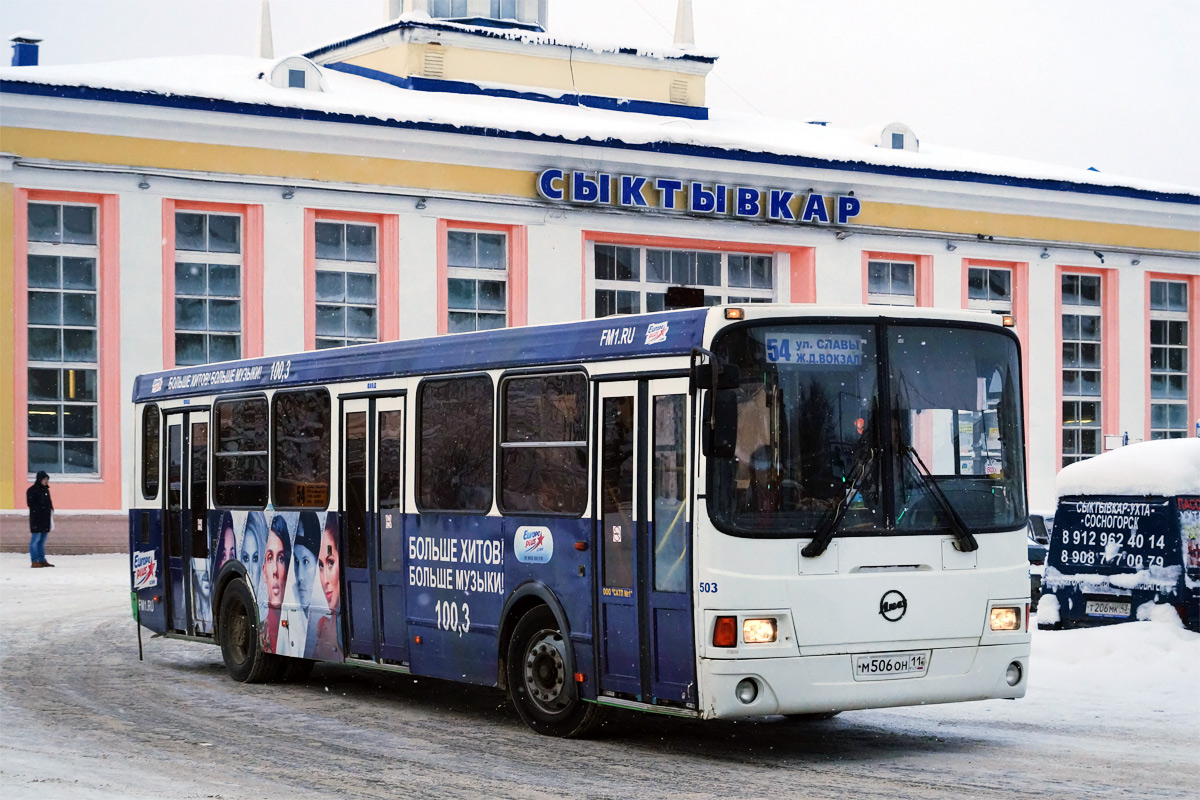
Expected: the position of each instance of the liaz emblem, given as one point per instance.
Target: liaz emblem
(892, 605)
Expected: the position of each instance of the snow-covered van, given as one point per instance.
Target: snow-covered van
(1126, 538)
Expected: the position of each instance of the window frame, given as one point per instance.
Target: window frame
(208, 259)
(1106, 310)
(644, 288)
(251, 272)
(347, 267)
(61, 251)
(419, 445)
(501, 410)
(274, 460)
(215, 482)
(1187, 317)
(516, 273)
(149, 454)
(922, 296)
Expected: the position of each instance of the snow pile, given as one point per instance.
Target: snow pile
(1165, 467)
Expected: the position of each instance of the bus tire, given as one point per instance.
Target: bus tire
(538, 679)
(241, 649)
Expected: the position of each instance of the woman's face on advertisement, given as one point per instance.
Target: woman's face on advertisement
(228, 547)
(329, 569)
(275, 570)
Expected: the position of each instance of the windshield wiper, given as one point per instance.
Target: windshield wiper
(824, 534)
(966, 541)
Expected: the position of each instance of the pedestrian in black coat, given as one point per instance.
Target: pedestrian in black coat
(41, 519)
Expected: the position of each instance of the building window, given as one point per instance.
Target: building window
(63, 328)
(633, 280)
(1168, 359)
(504, 9)
(347, 284)
(476, 280)
(295, 79)
(208, 287)
(1081, 373)
(990, 289)
(447, 8)
(891, 283)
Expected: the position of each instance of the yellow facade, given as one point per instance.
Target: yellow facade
(524, 71)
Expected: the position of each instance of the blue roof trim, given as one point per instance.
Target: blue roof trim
(496, 33)
(699, 151)
(667, 333)
(422, 84)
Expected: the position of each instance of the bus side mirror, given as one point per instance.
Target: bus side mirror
(720, 424)
(728, 376)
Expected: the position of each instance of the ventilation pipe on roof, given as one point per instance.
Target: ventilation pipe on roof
(685, 34)
(266, 46)
(25, 49)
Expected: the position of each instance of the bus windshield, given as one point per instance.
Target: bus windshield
(896, 427)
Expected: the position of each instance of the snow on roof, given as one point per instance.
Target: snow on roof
(420, 19)
(239, 79)
(1165, 467)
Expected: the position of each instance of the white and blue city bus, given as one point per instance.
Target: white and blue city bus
(710, 513)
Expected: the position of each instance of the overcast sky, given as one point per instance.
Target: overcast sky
(1109, 84)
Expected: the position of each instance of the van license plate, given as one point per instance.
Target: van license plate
(883, 666)
(1103, 608)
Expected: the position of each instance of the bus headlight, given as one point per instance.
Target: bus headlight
(746, 691)
(1005, 618)
(758, 631)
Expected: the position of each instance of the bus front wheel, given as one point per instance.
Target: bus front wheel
(538, 682)
(240, 648)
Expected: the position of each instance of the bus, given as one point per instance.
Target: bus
(709, 513)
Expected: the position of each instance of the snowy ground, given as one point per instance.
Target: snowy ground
(1111, 712)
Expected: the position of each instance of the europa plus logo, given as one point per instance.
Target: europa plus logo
(892, 605)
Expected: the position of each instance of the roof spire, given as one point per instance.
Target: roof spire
(266, 48)
(685, 35)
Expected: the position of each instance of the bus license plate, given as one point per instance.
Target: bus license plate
(883, 666)
(1103, 608)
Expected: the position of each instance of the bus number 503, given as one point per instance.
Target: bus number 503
(708, 588)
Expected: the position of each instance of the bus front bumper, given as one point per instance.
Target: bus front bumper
(822, 684)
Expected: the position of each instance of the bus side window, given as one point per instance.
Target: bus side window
(455, 444)
(543, 444)
(240, 453)
(151, 444)
(300, 444)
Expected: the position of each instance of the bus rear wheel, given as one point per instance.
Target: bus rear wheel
(539, 685)
(240, 647)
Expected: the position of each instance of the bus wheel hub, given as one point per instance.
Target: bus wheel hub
(545, 671)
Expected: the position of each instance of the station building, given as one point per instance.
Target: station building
(461, 168)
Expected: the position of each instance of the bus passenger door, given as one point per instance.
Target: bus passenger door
(372, 506)
(617, 514)
(667, 582)
(645, 624)
(185, 541)
(175, 522)
(360, 621)
(200, 582)
(388, 502)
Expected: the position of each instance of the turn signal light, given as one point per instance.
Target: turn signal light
(725, 632)
(735, 313)
(758, 631)
(1006, 619)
